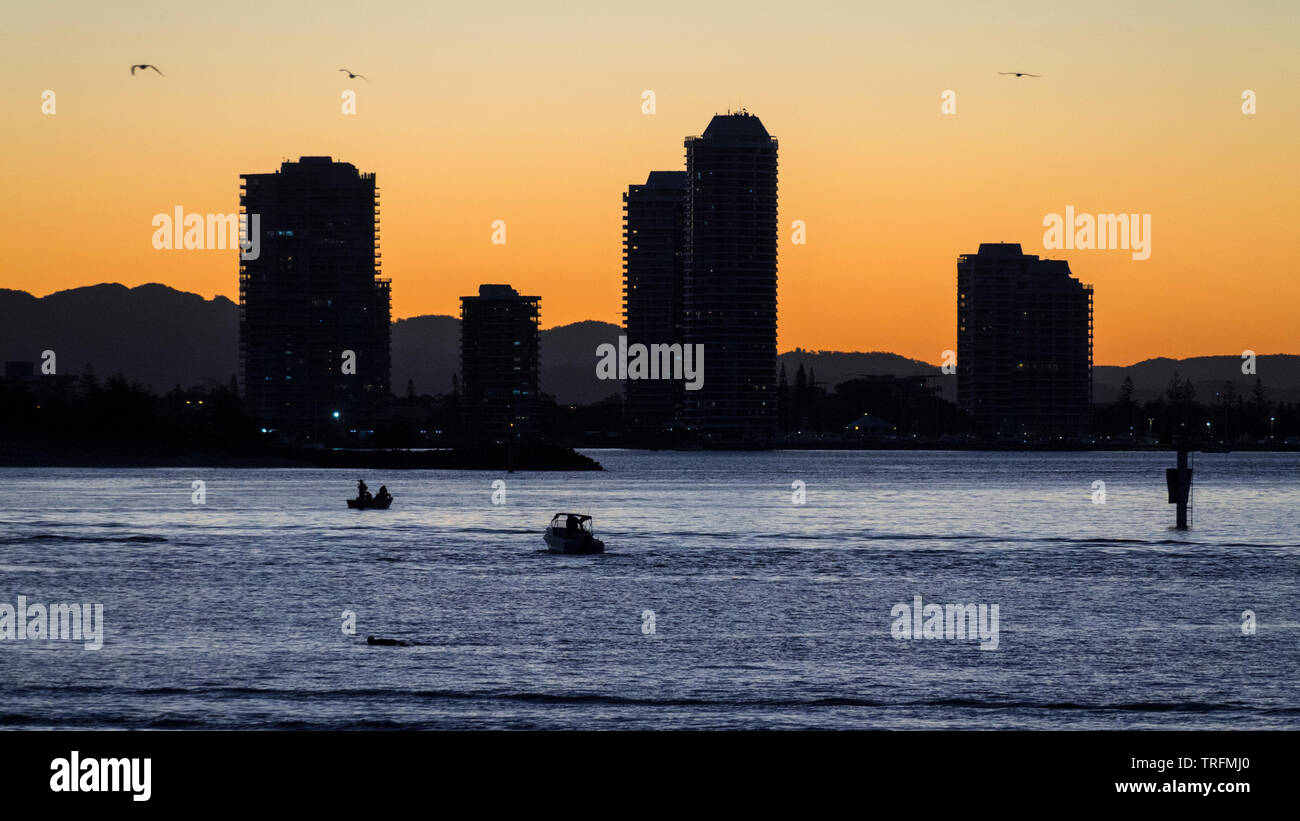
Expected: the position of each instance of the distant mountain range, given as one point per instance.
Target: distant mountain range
(162, 337)
(153, 334)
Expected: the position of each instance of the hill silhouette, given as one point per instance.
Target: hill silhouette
(162, 337)
(152, 334)
(1280, 374)
(833, 367)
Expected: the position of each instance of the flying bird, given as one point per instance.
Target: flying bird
(143, 66)
(352, 76)
(1020, 73)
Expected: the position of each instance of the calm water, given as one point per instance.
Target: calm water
(767, 613)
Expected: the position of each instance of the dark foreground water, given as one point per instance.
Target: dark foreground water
(767, 613)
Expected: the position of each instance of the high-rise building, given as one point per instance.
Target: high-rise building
(729, 281)
(653, 266)
(313, 311)
(500, 364)
(1024, 344)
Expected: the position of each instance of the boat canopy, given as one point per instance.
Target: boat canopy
(581, 522)
(581, 518)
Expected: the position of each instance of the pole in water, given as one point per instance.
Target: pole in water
(1179, 481)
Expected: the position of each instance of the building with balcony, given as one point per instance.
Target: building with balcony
(729, 280)
(313, 308)
(500, 365)
(653, 267)
(1024, 345)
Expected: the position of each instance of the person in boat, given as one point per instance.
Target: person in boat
(571, 526)
(363, 492)
(383, 494)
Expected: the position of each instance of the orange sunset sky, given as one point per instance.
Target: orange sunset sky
(531, 113)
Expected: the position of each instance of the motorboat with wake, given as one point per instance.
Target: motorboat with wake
(571, 533)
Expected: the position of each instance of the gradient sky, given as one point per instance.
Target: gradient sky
(531, 113)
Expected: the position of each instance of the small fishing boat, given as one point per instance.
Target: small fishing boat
(375, 503)
(571, 533)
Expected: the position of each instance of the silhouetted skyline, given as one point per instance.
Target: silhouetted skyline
(891, 189)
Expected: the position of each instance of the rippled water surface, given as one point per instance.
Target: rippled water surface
(767, 613)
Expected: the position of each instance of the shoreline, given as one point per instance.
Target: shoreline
(558, 459)
(543, 458)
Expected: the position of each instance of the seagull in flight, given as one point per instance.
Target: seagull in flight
(143, 66)
(352, 76)
(1020, 73)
